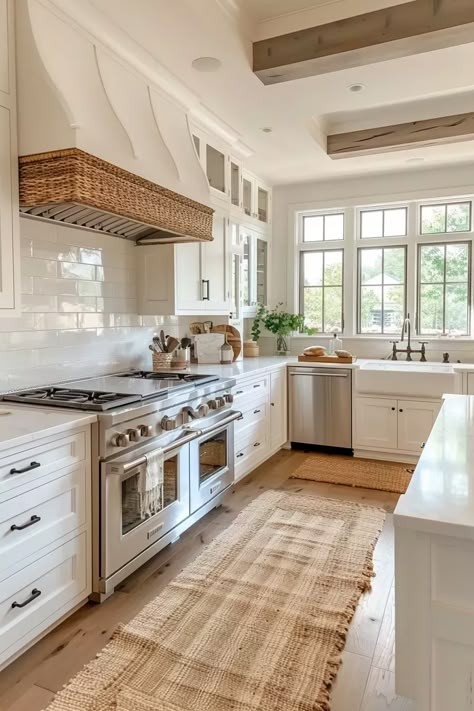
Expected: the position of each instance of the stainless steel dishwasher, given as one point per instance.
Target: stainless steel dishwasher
(321, 406)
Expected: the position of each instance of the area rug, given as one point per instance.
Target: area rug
(256, 623)
(349, 471)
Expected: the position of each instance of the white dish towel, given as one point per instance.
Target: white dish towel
(150, 484)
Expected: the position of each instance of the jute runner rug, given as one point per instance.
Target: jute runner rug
(364, 473)
(256, 623)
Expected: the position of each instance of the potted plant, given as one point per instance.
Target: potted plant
(279, 322)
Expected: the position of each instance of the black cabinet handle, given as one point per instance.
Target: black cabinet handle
(401, 410)
(240, 455)
(206, 296)
(255, 412)
(239, 392)
(34, 594)
(31, 522)
(31, 465)
(257, 444)
(257, 386)
(393, 409)
(422, 445)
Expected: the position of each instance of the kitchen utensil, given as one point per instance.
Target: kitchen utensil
(171, 344)
(163, 341)
(185, 342)
(157, 344)
(233, 337)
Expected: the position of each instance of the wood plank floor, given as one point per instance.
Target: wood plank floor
(365, 681)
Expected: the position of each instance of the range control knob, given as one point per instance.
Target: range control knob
(134, 435)
(168, 423)
(220, 402)
(120, 440)
(212, 404)
(228, 397)
(145, 430)
(203, 410)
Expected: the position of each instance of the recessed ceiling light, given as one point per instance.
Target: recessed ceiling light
(415, 160)
(207, 64)
(355, 88)
(267, 129)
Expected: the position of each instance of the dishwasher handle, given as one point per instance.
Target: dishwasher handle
(321, 375)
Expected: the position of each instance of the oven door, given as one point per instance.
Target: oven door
(212, 461)
(125, 531)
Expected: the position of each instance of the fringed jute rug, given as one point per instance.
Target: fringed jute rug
(363, 473)
(256, 623)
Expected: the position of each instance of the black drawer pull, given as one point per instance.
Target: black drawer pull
(31, 522)
(257, 386)
(239, 392)
(257, 444)
(255, 412)
(240, 455)
(34, 594)
(31, 465)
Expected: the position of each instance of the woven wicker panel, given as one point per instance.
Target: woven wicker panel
(71, 175)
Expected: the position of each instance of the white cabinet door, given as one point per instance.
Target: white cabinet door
(4, 44)
(7, 243)
(278, 409)
(415, 422)
(215, 287)
(375, 423)
(188, 275)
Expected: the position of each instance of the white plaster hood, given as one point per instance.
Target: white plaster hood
(82, 83)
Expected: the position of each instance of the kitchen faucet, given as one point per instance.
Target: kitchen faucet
(406, 329)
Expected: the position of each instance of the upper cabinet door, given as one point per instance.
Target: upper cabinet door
(216, 290)
(9, 212)
(216, 170)
(4, 48)
(263, 204)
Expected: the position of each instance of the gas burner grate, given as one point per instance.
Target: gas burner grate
(72, 397)
(176, 377)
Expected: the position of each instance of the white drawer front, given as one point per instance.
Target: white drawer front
(252, 425)
(29, 465)
(251, 391)
(59, 577)
(41, 516)
(249, 455)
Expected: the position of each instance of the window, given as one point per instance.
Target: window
(448, 217)
(382, 289)
(321, 289)
(391, 222)
(444, 276)
(319, 228)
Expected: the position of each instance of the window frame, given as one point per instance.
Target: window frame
(323, 214)
(443, 203)
(302, 286)
(419, 284)
(383, 209)
(359, 286)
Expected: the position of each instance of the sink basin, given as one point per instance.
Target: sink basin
(407, 379)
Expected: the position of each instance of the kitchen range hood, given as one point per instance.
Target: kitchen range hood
(101, 147)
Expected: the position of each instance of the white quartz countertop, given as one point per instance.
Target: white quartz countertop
(440, 498)
(21, 425)
(249, 366)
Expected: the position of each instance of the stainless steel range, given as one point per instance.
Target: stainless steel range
(188, 419)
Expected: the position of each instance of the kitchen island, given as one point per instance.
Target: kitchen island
(434, 567)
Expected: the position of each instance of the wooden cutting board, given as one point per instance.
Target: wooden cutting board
(324, 359)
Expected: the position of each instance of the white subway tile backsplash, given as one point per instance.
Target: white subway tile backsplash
(78, 304)
(79, 309)
(39, 267)
(73, 270)
(55, 321)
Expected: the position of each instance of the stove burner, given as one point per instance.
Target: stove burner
(177, 377)
(67, 397)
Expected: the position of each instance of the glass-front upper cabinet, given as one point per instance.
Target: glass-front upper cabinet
(247, 264)
(215, 168)
(247, 195)
(263, 204)
(235, 184)
(262, 270)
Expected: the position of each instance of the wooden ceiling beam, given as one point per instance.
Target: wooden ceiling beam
(411, 28)
(416, 134)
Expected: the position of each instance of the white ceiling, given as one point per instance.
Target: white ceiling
(299, 112)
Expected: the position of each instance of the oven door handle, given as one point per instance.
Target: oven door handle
(234, 415)
(191, 434)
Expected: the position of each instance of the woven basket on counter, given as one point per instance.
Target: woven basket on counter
(161, 360)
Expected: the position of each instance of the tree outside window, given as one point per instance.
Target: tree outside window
(444, 277)
(321, 289)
